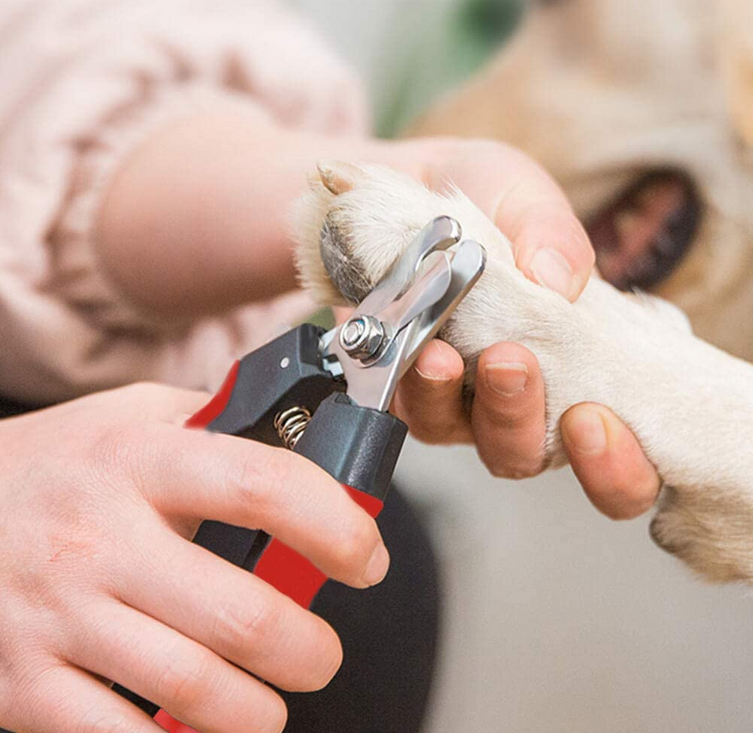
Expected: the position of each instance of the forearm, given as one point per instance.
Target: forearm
(195, 221)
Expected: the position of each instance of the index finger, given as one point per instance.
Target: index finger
(550, 245)
(197, 475)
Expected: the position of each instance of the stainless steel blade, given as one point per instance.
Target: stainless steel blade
(468, 263)
(439, 234)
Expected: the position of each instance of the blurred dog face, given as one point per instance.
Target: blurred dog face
(644, 113)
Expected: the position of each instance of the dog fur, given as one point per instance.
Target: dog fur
(689, 404)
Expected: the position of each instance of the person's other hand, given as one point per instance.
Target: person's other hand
(99, 499)
(507, 421)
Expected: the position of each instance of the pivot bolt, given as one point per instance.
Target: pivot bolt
(362, 336)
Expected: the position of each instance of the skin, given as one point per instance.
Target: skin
(222, 236)
(110, 488)
(507, 422)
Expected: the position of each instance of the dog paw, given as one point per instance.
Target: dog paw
(711, 534)
(686, 402)
(356, 221)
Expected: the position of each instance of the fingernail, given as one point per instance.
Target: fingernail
(434, 372)
(378, 565)
(551, 270)
(585, 432)
(429, 376)
(507, 378)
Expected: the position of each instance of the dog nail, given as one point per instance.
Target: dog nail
(326, 174)
(552, 271)
(337, 177)
(585, 432)
(507, 378)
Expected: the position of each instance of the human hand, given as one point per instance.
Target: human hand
(550, 245)
(98, 501)
(506, 422)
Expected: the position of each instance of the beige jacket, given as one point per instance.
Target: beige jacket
(81, 83)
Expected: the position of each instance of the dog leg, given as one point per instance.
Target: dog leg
(689, 404)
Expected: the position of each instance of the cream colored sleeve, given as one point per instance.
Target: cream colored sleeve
(85, 81)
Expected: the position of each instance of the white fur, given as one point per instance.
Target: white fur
(689, 404)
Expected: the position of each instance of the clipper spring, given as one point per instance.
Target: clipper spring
(291, 423)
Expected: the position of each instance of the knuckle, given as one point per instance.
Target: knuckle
(117, 448)
(521, 410)
(183, 681)
(258, 469)
(123, 454)
(108, 443)
(509, 460)
(96, 720)
(27, 692)
(239, 625)
(126, 398)
(33, 689)
(144, 389)
(432, 432)
(242, 479)
(517, 413)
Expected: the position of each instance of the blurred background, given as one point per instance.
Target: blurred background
(408, 52)
(555, 618)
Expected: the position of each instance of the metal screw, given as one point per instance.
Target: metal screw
(352, 332)
(284, 362)
(362, 336)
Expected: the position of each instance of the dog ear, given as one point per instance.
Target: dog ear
(736, 48)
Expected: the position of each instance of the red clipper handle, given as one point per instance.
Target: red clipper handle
(279, 565)
(292, 574)
(358, 446)
(282, 567)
